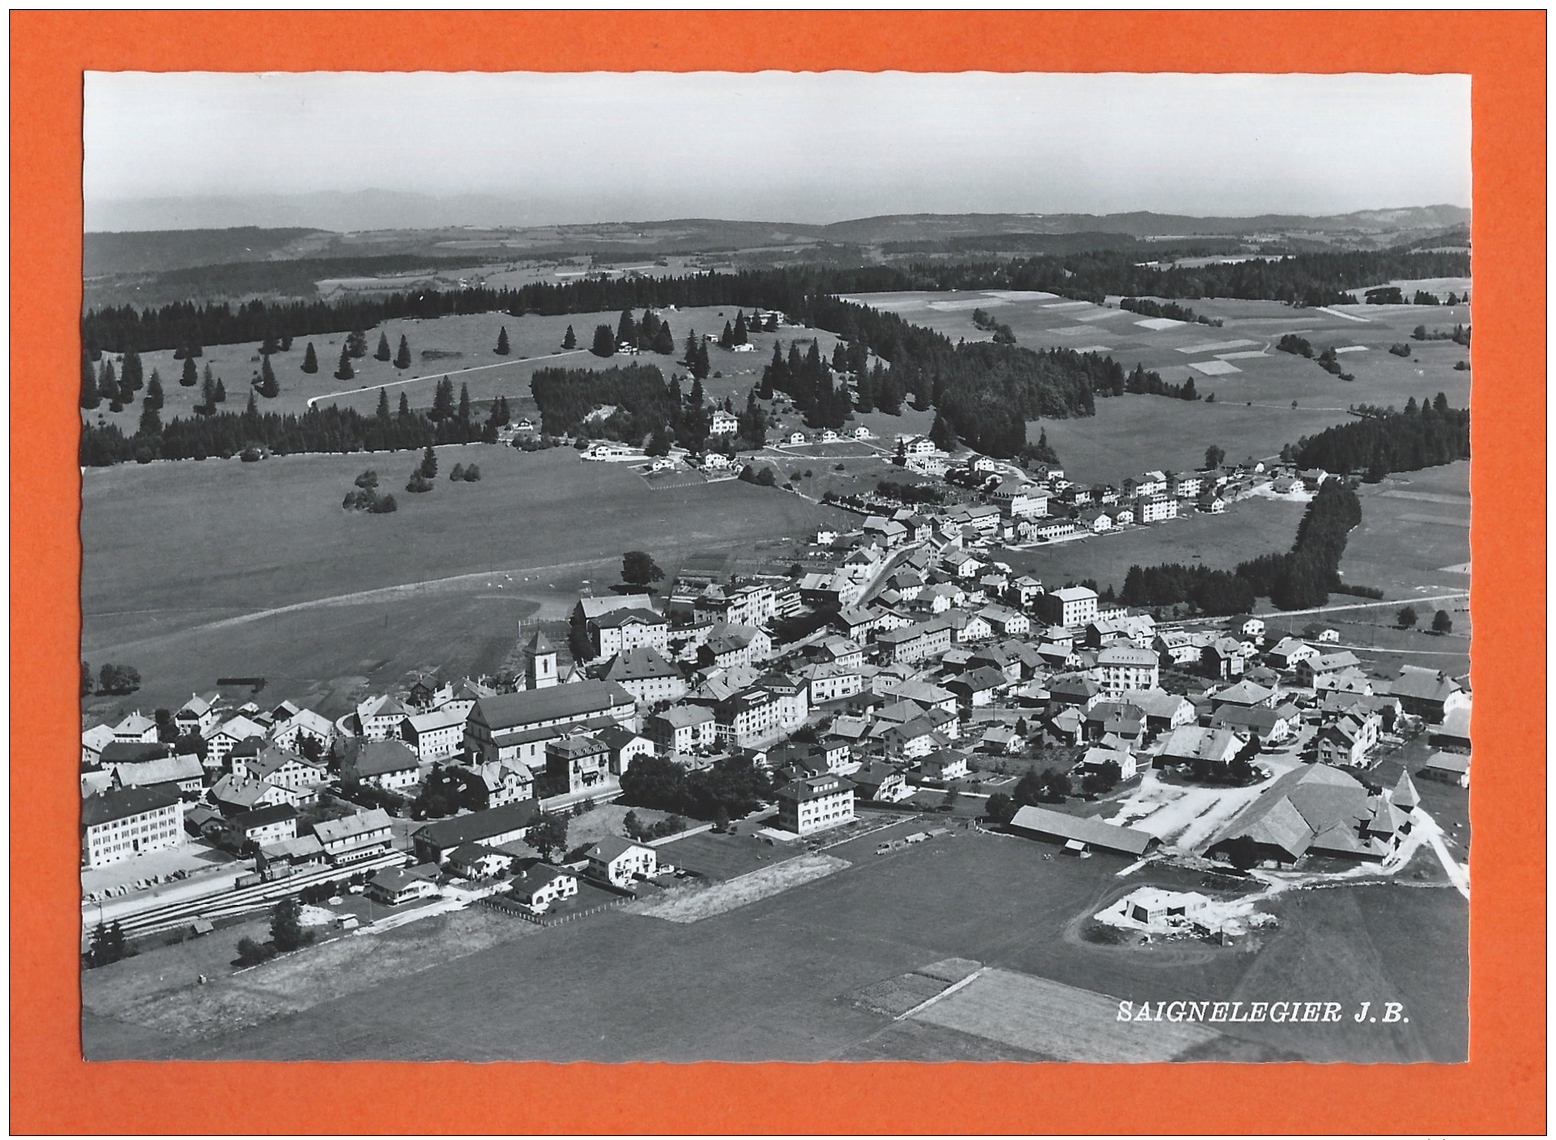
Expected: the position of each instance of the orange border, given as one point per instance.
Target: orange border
(1500, 1090)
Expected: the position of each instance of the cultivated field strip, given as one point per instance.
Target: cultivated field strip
(1059, 1021)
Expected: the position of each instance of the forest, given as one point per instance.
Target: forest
(1428, 434)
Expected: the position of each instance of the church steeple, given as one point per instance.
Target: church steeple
(539, 662)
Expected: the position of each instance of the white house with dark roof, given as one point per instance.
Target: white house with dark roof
(354, 838)
(135, 729)
(118, 825)
(378, 718)
(683, 728)
(388, 765)
(434, 735)
(816, 804)
(620, 861)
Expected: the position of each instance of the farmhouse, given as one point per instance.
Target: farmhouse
(1447, 767)
(135, 729)
(1079, 833)
(198, 714)
(1095, 758)
(1315, 809)
(181, 773)
(1199, 747)
(1428, 693)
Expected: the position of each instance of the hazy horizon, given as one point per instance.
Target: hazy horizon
(530, 149)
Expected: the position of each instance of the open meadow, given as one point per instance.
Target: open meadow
(776, 979)
(219, 568)
(1248, 528)
(1253, 383)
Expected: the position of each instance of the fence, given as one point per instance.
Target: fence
(516, 910)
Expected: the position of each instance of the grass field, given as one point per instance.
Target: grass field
(775, 979)
(1247, 529)
(443, 582)
(469, 343)
(1252, 413)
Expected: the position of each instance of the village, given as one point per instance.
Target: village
(900, 671)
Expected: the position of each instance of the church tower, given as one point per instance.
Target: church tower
(539, 663)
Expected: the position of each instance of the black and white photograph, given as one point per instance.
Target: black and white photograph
(775, 566)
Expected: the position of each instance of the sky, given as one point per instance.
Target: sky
(775, 146)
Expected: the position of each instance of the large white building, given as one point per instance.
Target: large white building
(815, 804)
(1125, 669)
(1070, 606)
(119, 825)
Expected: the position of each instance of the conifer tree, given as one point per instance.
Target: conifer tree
(690, 354)
(356, 344)
(154, 395)
(739, 334)
(268, 387)
(626, 328)
(382, 352)
(150, 421)
(697, 398)
(569, 340)
(191, 375)
(221, 391)
(429, 463)
(701, 369)
(604, 341)
(90, 397)
(727, 337)
(502, 341)
(383, 403)
(402, 357)
(310, 360)
(405, 406)
(464, 402)
(345, 371)
(108, 382)
(208, 393)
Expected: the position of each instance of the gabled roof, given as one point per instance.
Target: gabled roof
(167, 770)
(640, 664)
(348, 827)
(1083, 829)
(127, 752)
(611, 848)
(381, 757)
(513, 710)
(263, 816)
(123, 804)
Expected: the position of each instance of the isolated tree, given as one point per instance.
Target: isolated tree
(604, 341)
(154, 395)
(356, 344)
(738, 336)
(367, 479)
(627, 328)
(457, 474)
(548, 835)
(569, 340)
(1407, 618)
(220, 391)
(502, 341)
(208, 392)
(1000, 809)
(429, 463)
(1442, 622)
(383, 404)
(472, 473)
(267, 386)
(310, 360)
(639, 569)
(402, 356)
(464, 402)
(382, 352)
(131, 375)
(1213, 457)
(405, 407)
(344, 372)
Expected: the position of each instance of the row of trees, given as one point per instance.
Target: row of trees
(319, 429)
(1169, 309)
(1298, 579)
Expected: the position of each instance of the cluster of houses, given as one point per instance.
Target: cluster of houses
(923, 654)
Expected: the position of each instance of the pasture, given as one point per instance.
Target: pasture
(774, 979)
(466, 348)
(274, 578)
(1253, 383)
(1248, 528)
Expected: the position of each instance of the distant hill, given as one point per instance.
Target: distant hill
(161, 250)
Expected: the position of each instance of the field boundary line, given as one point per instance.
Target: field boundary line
(312, 400)
(945, 993)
